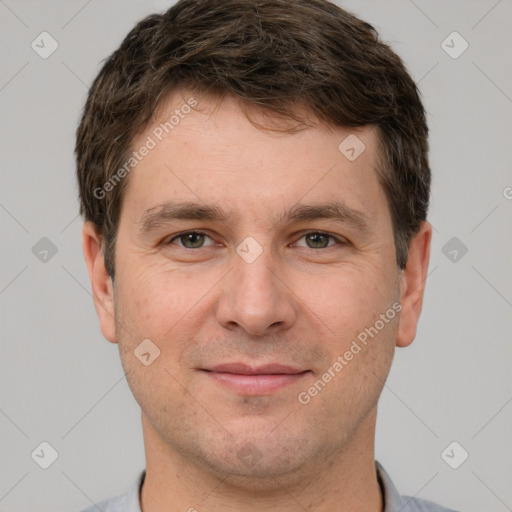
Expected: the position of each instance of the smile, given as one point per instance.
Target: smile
(254, 381)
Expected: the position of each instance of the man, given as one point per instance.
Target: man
(254, 180)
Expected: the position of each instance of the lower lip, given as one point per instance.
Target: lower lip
(254, 385)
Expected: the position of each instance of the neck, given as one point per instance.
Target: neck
(344, 480)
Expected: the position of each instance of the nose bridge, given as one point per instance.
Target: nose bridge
(255, 281)
(254, 297)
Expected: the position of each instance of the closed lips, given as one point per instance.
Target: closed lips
(243, 369)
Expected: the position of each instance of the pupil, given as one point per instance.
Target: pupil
(317, 239)
(194, 239)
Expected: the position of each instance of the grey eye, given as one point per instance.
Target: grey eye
(191, 240)
(317, 240)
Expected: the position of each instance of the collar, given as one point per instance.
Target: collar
(391, 498)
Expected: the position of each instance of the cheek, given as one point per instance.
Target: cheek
(349, 300)
(360, 357)
(154, 300)
(145, 310)
(165, 307)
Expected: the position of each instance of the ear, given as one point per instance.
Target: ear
(101, 283)
(412, 285)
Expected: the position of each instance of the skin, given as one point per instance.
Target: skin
(298, 303)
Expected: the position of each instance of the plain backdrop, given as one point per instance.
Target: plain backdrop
(62, 383)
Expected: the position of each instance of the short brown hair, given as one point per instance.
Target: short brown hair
(275, 55)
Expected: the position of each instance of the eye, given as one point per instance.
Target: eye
(318, 240)
(197, 239)
(190, 239)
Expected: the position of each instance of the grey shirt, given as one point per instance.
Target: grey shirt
(393, 502)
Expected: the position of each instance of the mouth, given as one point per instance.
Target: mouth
(254, 381)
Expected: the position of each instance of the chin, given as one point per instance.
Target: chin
(257, 461)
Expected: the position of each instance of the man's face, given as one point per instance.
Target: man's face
(258, 287)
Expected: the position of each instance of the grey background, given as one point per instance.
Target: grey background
(61, 382)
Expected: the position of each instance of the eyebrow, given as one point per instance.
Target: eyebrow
(164, 213)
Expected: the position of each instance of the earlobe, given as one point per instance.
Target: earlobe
(101, 283)
(412, 285)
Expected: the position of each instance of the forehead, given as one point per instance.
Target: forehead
(206, 150)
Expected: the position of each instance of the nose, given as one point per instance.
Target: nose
(256, 298)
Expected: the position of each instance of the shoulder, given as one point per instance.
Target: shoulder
(411, 504)
(112, 505)
(394, 502)
(129, 502)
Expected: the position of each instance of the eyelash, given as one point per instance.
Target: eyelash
(179, 235)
